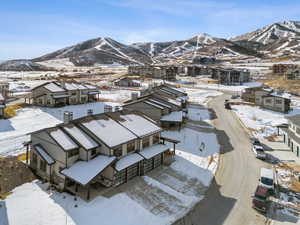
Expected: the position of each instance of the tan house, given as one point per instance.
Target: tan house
(89, 154)
(55, 94)
(127, 82)
(269, 99)
(230, 76)
(156, 72)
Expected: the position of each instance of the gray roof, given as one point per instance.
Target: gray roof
(294, 119)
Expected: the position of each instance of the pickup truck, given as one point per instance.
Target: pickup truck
(260, 199)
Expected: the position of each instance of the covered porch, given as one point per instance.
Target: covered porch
(60, 100)
(89, 178)
(93, 96)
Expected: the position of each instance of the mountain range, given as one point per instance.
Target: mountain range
(282, 38)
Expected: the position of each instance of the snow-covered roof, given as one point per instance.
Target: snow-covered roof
(173, 101)
(61, 96)
(84, 171)
(63, 139)
(53, 87)
(41, 151)
(109, 131)
(153, 104)
(93, 92)
(173, 116)
(128, 161)
(138, 125)
(70, 86)
(90, 86)
(153, 150)
(81, 137)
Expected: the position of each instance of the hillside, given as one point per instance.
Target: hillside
(22, 65)
(99, 51)
(278, 38)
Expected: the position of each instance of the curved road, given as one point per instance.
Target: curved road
(228, 199)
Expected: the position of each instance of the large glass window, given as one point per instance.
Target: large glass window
(73, 153)
(130, 146)
(155, 138)
(118, 151)
(146, 142)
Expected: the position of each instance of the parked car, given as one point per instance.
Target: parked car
(260, 199)
(227, 105)
(255, 141)
(267, 179)
(235, 96)
(259, 152)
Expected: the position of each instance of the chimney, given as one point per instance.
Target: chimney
(68, 116)
(90, 112)
(134, 95)
(107, 108)
(63, 83)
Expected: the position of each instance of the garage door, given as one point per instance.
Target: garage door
(133, 171)
(121, 177)
(157, 160)
(148, 165)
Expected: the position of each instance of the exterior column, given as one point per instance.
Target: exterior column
(27, 154)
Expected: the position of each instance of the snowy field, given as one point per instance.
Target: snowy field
(116, 95)
(234, 88)
(200, 96)
(161, 197)
(261, 122)
(14, 132)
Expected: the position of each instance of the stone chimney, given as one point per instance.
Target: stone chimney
(68, 116)
(90, 112)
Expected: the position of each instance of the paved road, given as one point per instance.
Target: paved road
(228, 199)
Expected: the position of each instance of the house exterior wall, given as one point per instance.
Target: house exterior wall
(290, 140)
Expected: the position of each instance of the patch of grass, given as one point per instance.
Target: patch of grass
(4, 195)
(22, 157)
(10, 111)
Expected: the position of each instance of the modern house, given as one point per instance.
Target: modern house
(267, 98)
(248, 95)
(156, 72)
(281, 69)
(127, 82)
(230, 76)
(164, 104)
(2, 106)
(97, 151)
(55, 94)
(292, 74)
(4, 88)
(291, 134)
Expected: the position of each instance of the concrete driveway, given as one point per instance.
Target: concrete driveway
(228, 200)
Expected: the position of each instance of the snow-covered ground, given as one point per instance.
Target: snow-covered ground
(161, 197)
(14, 131)
(116, 95)
(261, 122)
(234, 88)
(200, 96)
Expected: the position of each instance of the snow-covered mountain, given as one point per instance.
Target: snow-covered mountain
(281, 37)
(22, 65)
(99, 51)
(186, 50)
